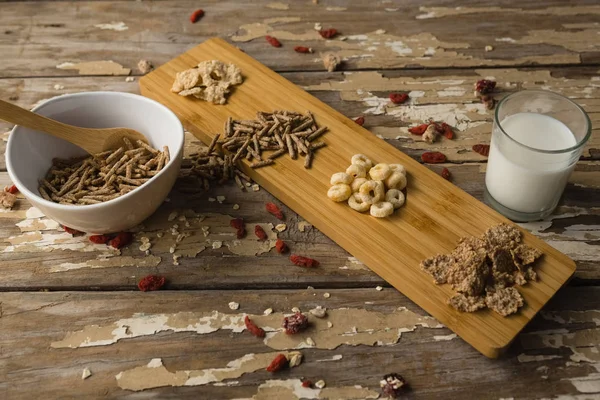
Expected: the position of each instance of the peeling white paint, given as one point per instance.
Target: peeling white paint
(445, 337)
(524, 358)
(113, 26)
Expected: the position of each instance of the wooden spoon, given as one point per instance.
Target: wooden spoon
(91, 140)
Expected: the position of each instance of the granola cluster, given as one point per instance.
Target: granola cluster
(210, 81)
(483, 271)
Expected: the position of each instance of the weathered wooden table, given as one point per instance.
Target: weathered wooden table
(67, 304)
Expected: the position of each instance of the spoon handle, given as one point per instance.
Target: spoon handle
(20, 116)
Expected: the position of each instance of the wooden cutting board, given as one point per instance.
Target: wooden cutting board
(436, 215)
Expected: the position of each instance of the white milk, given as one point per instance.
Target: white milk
(522, 179)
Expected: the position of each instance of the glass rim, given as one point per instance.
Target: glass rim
(579, 144)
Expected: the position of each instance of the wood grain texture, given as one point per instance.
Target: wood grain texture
(435, 217)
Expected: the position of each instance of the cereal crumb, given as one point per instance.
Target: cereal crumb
(380, 31)
(331, 61)
(295, 310)
(7, 200)
(329, 324)
(172, 249)
(294, 359)
(58, 87)
(159, 234)
(280, 227)
(268, 311)
(176, 258)
(302, 225)
(182, 218)
(187, 224)
(319, 312)
(180, 237)
(488, 48)
(255, 187)
(212, 199)
(236, 207)
(309, 341)
(217, 244)
(145, 246)
(326, 295)
(320, 384)
(221, 199)
(233, 305)
(379, 288)
(129, 79)
(318, 26)
(86, 373)
(144, 66)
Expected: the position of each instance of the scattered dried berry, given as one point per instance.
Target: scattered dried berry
(12, 189)
(398, 98)
(253, 328)
(121, 240)
(446, 130)
(303, 261)
(196, 15)
(260, 232)
(151, 282)
(303, 49)
(392, 385)
(295, 323)
(360, 120)
(446, 174)
(279, 362)
(306, 383)
(328, 33)
(72, 231)
(273, 209)
(433, 157)
(483, 149)
(237, 223)
(419, 129)
(484, 86)
(273, 41)
(99, 239)
(281, 247)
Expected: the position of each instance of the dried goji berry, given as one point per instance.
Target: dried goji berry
(273, 41)
(398, 98)
(484, 86)
(99, 239)
(281, 247)
(360, 120)
(446, 130)
(303, 261)
(72, 231)
(237, 223)
(121, 240)
(273, 209)
(151, 282)
(433, 157)
(12, 189)
(483, 149)
(253, 328)
(260, 232)
(419, 129)
(303, 49)
(446, 174)
(196, 15)
(295, 323)
(279, 362)
(328, 33)
(393, 385)
(306, 383)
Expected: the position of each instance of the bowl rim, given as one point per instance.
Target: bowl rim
(70, 96)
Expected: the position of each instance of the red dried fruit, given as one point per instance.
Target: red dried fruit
(72, 231)
(419, 129)
(398, 98)
(447, 131)
(196, 15)
(151, 282)
(253, 328)
(433, 157)
(260, 232)
(279, 362)
(328, 33)
(12, 190)
(237, 223)
(273, 41)
(484, 86)
(281, 247)
(302, 49)
(304, 261)
(121, 240)
(483, 149)
(306, 383)
(273, 209)
(360, 120)
(392, 385)
(295, 323)
(446, 174)
(99, 239)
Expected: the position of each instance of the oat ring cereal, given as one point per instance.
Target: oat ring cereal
(382, 209)
(357, 171)
(340, 177)
(339, 192)
(398, 168)
(396, 181)
(380, 172)
(395, 197)
(356, 203)
(357, 183)
(372, 192)
(361, 159)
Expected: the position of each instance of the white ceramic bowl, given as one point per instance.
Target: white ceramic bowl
(29, 155)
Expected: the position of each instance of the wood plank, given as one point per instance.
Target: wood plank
(553, 357)
(417, 33)
(434, 218)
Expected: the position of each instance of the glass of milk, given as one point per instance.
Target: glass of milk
(537, 138)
